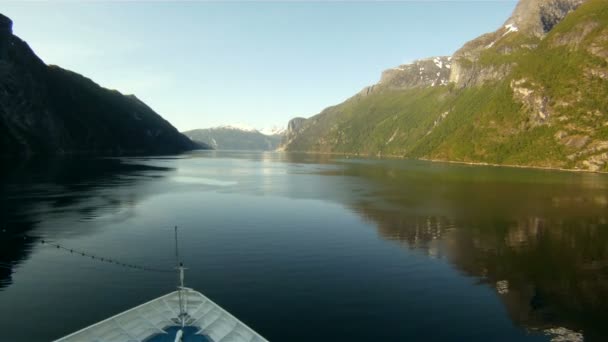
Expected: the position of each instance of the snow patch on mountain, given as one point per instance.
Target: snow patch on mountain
(510, 28)
(239, 127)
(273, 130)
(269, 130)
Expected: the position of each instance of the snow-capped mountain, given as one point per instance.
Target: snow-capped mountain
(237, 126)
(238, 137)
(273, 130)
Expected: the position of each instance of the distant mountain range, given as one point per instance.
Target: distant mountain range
(238, 137)
(533, 93)
(49, 110)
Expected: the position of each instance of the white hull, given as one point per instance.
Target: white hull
(147, 320)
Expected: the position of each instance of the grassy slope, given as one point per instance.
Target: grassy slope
(486, 123)
(365, 124)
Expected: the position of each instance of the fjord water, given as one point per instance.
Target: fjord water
(310, 248)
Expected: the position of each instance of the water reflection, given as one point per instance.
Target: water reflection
(538, 239)
(55, 189)
(542, 247)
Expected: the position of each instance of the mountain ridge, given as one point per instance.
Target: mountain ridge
(236, 137)
(47, 110)
(515, 96)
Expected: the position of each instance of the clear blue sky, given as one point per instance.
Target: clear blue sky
(202, 64)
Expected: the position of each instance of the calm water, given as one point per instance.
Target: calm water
(311, 248)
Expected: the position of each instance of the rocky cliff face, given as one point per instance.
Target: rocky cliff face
(530, 22)
(538, 17)
(294, 127)
(49, 110)
(428, 72)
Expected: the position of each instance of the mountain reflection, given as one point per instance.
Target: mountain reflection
(542, 248)
(30, 191)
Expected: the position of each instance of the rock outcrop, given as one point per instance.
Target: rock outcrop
(294, 127)
(531, 21)
(538, 17)
(48, 110)
(428, 72)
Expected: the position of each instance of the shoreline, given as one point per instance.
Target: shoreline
(389, 156)
(548, 168)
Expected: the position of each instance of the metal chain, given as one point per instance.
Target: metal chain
(104, 259)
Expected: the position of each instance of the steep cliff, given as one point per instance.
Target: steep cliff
(294, 126)
(49, 110)
(532, 93)
(486, 57)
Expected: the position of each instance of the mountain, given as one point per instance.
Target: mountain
(273, 130)
(532, 93)
(236, 138)
(49, 110)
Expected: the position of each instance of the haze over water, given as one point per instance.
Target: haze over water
(308, 247)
